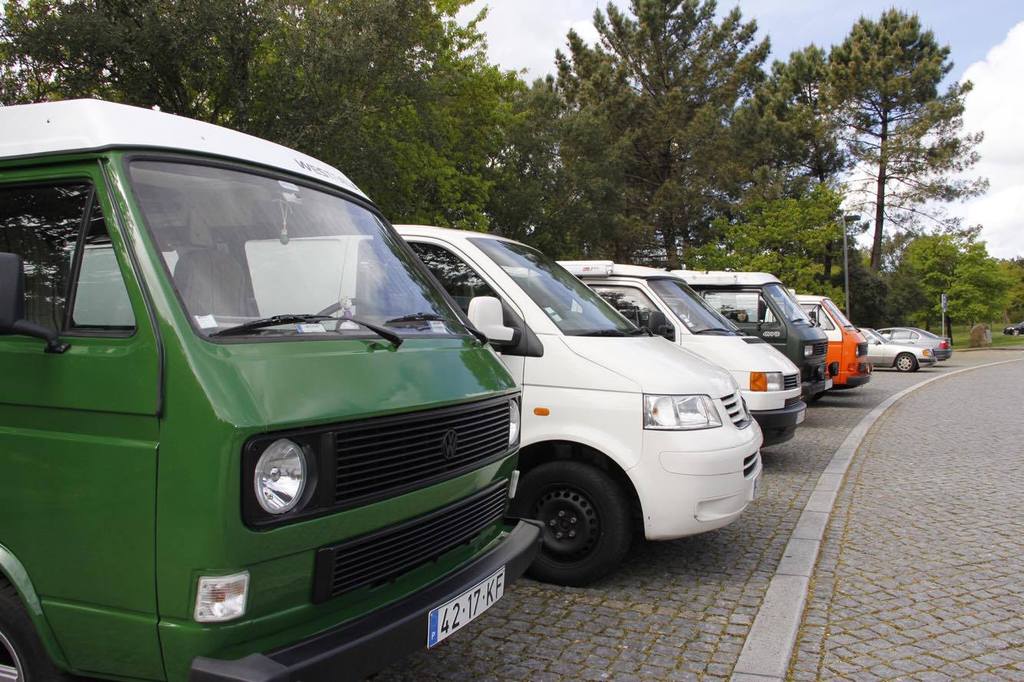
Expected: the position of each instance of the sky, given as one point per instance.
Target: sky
(986, 38)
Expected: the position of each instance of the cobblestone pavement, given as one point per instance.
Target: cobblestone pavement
(675, 610)
(921, 573)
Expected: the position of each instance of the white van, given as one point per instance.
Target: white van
(620, 429)
(768, 381)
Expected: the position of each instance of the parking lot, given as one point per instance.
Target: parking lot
(682, 609)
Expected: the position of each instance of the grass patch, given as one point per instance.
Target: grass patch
(962, 336)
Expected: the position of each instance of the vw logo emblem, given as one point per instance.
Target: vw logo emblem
(450, 444)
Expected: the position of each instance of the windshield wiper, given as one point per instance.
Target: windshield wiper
(272, 321)
(275, 320)
(416, 317)
(608, 332)
(715, 329)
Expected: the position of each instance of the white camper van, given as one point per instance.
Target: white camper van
(662, 302)
(621, 430)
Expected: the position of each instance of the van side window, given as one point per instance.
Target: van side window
(742, 307)
(631, 302)
(41, 224)
(100, 298)
(460, 281)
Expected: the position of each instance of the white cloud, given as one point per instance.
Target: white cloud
(996, 106)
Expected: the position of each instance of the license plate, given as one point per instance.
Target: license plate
(451, 616)
(800, 417)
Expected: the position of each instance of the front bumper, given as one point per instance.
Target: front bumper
(779, 426)
(814, 387)
(359, 648)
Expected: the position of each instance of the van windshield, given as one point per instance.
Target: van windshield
(242, 248)
(833, 309)
(694, 311)
(573, 307)
(785, 302)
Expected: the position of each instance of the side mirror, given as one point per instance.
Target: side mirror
(657, 323)
(485, 314)
(12, 305)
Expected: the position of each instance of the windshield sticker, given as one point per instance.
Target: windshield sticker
(348, 325)
(206, 321)
(575, 306)
(438, 327)
(310, 328)
(288, 186)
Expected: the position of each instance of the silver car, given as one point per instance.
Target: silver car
(942, 349)
(905, 357)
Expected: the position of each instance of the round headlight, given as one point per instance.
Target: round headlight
(280, 476)
(513, 422)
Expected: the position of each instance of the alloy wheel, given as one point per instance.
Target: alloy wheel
(10, 665)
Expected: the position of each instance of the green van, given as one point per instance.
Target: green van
(243, 435)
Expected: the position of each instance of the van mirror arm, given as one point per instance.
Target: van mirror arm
(53, 342)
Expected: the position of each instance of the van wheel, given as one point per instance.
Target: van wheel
(906, 362)
(22, 656)
(586, 517)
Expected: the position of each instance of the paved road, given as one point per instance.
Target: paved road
(676, 610)
(921, 575)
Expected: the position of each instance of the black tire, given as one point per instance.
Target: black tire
(587, 521)
(906, 362)
(816, 397)
(21, 649)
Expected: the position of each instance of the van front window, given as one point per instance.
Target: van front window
(694, 311)
(243, 249)
(572, 306)
(785, 302)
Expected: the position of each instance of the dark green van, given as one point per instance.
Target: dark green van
(243, 435)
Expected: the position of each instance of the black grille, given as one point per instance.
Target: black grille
(386, 554)
(790, 381)
(754, 339)
(792, 401)
(749, 464)
(378, 457)
(862, 349)
(820, 347)
(738, 414)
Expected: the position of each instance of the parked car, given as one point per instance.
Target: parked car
(665, 304)
(1014, 329)
(761, 306)
(208, 474)
(623, 432)
(905, 357)
(940, 345)
(847, 349)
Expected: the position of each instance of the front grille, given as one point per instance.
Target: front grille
(862, 349)
(749, 465)
(792, 401)
(754, 339)
(377, 457)
(384, 555)
(820, 348)
(790, 381)
(738, 414)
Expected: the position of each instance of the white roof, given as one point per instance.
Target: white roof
(726, 278)
(91, 125)
(809, 298)
(446, 232)
(607, 268)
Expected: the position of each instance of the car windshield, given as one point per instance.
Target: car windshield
(785, 302)
(243, 249)
(689, 307)
(837, 313)
(573, 307)
(872, 335)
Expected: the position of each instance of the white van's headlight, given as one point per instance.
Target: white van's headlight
(513, 422)
(680, 412)
(280, 477)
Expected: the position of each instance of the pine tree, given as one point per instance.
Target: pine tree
(902, 133)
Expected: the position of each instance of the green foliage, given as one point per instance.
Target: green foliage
(650, 107)
(900, 129)
(1014, 272)
(786, 237)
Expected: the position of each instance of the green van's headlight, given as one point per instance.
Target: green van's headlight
(280, 477)
(513, 422)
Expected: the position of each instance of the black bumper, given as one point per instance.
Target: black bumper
(779, 426)
(853, 382)
(814, 387)
(362, 647)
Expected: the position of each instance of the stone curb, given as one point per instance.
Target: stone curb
(772, 637)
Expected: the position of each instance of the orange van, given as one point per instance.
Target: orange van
(847, 356)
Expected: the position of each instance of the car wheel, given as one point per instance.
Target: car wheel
(1015, 332)
(586, 517)
(906, 362)
(22, 655)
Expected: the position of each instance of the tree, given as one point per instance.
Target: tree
(904, 136)
(653, 100)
